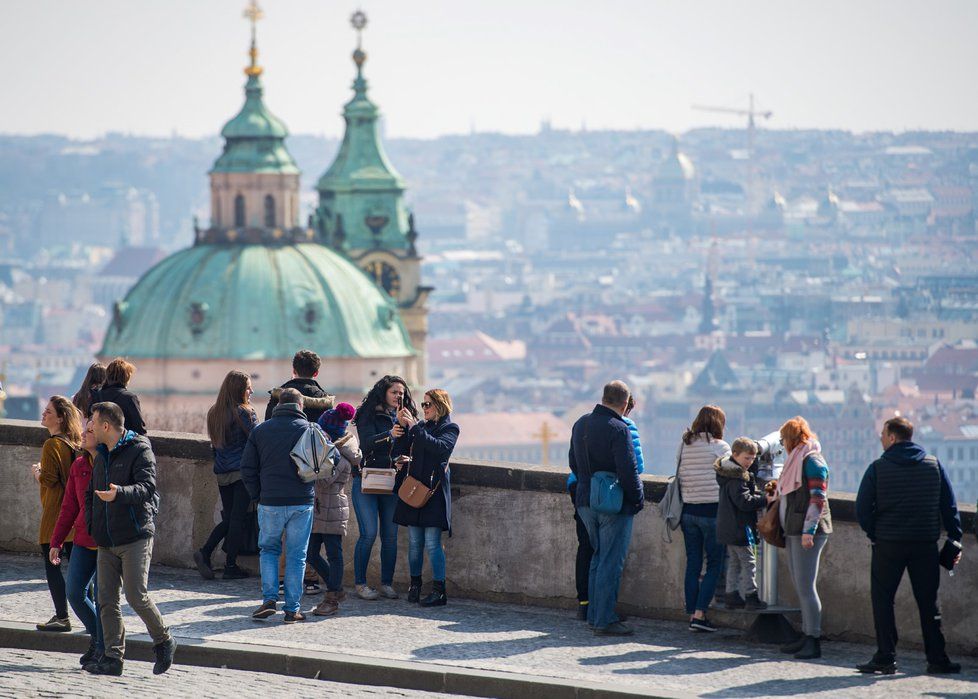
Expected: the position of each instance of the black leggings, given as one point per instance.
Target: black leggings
(56, 579)
(234, 513)
(582, 566)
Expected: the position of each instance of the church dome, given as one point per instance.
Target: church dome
(677, 167)
(256, 302)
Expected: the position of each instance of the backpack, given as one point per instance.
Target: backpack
(314, 456)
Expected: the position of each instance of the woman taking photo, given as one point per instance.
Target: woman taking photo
(93, 381)
(229, 422)
(63, 423)
(807, 522)
(431, 443)
(84, 556)
(701, 446)
(379, 432)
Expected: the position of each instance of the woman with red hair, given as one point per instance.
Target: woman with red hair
(807, 522)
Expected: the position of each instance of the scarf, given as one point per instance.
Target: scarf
(792, 473)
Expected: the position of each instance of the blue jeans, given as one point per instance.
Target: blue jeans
(330, 569)
(422, 539)
(700, 535)
(81, 574)
(295, 521)
(610, 536)
(370, 509)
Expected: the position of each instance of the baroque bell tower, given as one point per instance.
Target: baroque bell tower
(361, 210)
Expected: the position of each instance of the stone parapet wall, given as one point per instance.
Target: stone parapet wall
(514, 539)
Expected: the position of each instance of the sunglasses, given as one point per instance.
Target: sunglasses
(426, 405)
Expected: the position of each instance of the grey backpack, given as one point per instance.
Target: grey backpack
(314, 456)
(671, 505)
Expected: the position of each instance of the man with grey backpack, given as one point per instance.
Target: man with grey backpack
(608, 494)
(284, 489)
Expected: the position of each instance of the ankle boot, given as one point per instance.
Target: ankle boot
(437, 597)
(414, 592)
(794, 646)
(753, 602)
(811, 648)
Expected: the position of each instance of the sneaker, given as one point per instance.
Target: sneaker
(266, 610)
(91, 655)
(203, 564)
(388, 592)
(55, 624)
(615, 629)
(164, 655)
(312, 588)
(292, 617)
(367, 592)
(945, 668)
(105, 666)
(235, 573)
(703, 624)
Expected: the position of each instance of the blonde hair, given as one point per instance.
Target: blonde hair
(441, 401)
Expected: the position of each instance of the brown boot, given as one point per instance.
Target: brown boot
(328, 606)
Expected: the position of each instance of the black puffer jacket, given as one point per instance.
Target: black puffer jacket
(131, 465)
(738, 504)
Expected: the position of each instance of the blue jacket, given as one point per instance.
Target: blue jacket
(431, 446)
(636, 445)
(266, 464)
(906, 496)
(228, 457)
(609, 448)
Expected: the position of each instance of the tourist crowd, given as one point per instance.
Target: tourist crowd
(286, 485)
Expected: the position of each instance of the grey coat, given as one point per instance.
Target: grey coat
(332, 510)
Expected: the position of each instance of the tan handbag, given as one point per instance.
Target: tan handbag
(377, 481)
(769, 526)
(415, 493)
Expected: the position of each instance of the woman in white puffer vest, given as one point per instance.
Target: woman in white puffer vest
(701, 446)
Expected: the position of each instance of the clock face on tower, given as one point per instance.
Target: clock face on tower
(385, 276)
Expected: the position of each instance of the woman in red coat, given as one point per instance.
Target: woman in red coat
(84, 555)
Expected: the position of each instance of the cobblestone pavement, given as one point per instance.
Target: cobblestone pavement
(30, 673)
(544, 642)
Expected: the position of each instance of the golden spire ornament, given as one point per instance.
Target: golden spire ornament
(253, 13)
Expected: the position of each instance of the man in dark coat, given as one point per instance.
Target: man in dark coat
(285, 503)
(305, 369)
(600, 441)
(904, 499)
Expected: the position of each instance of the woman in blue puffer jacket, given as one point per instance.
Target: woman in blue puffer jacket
(582, 565)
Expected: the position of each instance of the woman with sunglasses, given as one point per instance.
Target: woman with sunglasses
(431, 442)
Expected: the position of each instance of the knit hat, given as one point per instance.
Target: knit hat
(335, 421)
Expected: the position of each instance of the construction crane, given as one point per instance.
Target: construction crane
(752, 114)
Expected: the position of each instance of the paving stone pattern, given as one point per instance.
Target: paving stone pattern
(661, 655)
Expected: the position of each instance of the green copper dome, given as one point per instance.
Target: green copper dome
(256, 302)
(255, 138)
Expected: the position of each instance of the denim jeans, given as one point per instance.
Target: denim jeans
(610, 536)
(330, 569)
(370, 510)
(81, 573)
(296, 522)
(700, 535)
(426, 539)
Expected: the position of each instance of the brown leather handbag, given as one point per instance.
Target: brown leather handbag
(769, 526)
(415, 493)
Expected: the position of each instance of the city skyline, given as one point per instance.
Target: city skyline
(872, 67)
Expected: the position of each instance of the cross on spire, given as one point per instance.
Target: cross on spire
(253, 13)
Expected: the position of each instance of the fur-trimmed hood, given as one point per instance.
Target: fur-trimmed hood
(728, 468)
(326, 403)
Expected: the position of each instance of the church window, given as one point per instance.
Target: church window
(269, 211)
(239, 211)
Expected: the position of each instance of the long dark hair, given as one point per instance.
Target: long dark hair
(377, 396)
(710, 420)
(226, 412)
(93, 381)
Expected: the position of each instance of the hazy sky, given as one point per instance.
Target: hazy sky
(445, 66)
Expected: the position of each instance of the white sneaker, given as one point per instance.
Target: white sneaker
(367, 592)
(388, 592)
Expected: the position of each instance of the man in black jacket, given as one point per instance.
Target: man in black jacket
(903, 500)
(305, 369)
(120, 508)
(285, 503)
(600, 441)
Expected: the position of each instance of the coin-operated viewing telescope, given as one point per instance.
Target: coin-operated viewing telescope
(770, 457)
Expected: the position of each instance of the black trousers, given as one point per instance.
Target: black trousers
(920, 560)
(582, 568)
(234, 511)
(56, 579)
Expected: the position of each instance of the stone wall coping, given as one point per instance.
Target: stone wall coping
(466, 472)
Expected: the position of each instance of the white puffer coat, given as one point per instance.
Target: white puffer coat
(697, 478)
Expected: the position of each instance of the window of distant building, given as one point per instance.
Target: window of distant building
(269, 211)
(239, 211)
(960, 453)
